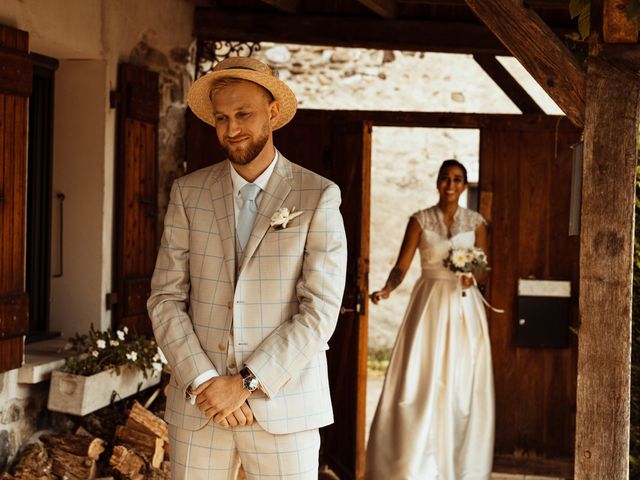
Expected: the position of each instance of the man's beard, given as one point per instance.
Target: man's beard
(245, 155)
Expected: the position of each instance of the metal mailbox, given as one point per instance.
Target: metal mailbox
(543, 313)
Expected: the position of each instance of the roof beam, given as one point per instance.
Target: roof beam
(539, 50)
(507, 83)
(384, 8)
(548, 4)
(289, 6)
(411, 35)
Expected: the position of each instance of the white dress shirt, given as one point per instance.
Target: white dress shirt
(238, 182)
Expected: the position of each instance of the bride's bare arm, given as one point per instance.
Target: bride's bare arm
(407, 251)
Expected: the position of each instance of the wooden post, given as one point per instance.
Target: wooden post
(616, 27)
(606, 269)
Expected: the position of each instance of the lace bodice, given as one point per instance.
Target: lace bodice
(435, 242)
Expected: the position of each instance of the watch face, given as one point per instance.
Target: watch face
(250, 383)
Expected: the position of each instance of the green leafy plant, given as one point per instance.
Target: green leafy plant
(103, 350)
(582, 10)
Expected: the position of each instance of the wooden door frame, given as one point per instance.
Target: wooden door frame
(520, 122)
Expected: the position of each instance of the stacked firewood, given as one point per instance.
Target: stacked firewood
(139, 451)
(143, 440)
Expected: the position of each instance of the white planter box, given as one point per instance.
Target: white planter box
(79, 395)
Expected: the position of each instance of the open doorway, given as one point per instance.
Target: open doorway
(404, 166)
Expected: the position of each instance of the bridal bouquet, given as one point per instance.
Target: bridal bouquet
(466, 260)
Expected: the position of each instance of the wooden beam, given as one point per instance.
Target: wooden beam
(411, 35)
(542, 4)
(507, 84)
(606, 272)
(289, 6)
(384, 8)
(539, 50)
(616, 27)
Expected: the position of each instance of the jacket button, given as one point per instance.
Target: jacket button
(222, 347)
(229, 304)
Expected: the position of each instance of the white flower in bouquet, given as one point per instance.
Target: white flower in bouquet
(466, 261)
(133, 356)
(459, 258)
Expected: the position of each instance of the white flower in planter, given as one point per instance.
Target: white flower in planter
(95, 353)
(114, 343)
(133, 356)
(101, 344)
(120, 334)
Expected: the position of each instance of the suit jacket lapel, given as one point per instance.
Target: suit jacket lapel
(273, 196)
(222, 198)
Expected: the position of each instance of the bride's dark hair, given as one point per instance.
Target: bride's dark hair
(447, 164)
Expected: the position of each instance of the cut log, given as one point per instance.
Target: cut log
(127, 462)
(79, 445)
(33, 463)
(70, 466)
(143, 420)
(144, 443)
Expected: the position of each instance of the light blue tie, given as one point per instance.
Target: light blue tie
(248, 211)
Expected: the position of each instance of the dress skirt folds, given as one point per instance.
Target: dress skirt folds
(435, 417)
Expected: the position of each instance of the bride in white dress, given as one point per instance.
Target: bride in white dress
(435, 417)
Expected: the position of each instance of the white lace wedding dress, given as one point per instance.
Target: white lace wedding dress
(435, 418)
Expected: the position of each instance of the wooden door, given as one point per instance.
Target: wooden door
(525, 170)
(15, 88)
(337, 146)
(135, 248)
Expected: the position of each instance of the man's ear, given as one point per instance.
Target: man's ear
(274, 111)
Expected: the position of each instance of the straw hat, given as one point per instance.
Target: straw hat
(246, 69)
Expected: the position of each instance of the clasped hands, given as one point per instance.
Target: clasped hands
(223, 399)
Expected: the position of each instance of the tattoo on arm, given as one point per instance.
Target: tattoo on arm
(395, 278)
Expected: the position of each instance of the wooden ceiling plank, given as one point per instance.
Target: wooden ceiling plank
(410, 35)
(507, 84)
(539, 50)
(289, 6)
(384, 8)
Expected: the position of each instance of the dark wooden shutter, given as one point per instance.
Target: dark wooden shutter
(138, 103)
(15, 88)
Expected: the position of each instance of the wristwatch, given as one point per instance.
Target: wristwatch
(249, 380)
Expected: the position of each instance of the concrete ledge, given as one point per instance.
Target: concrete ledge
(42, 358)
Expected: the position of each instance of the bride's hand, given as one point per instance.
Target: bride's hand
(379, 295)
(466, 281)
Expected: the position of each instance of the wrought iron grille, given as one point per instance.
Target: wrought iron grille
(210, 52)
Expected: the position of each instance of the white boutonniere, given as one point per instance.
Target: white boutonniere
(283, 216)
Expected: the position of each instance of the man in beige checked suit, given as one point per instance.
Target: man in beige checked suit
(246, 291)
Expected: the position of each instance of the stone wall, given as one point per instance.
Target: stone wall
(23, 408)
